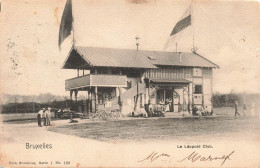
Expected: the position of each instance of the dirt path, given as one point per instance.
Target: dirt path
(82, 152)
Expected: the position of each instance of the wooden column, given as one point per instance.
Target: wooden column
(148, 91)
(202, 86)
(183, 97)
(164, 95)
(117, 91)
(189, 98)
(120, 99)
(173, 102)
(86, 103)
(146, 95)
(211, 83)
(78, 72)
(90, 100)
(192, 95)
(96, 98)
(71, 92)
(76, 95)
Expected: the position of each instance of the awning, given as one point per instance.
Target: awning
(170, 80)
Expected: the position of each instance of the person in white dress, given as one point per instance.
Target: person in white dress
(48, 117)
(44, 117)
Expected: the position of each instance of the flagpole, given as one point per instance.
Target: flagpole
(194, 49)
(73, 38)
(192, 22)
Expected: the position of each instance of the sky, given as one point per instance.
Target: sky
(225, 32)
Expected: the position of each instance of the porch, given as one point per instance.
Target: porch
(99, 89)
(175, 95)
(108, 80)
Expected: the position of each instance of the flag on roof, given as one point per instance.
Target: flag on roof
(66, 22)
(182, 24)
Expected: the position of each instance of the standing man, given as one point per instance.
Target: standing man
(244, 109)
(236, 106)
(39, 117)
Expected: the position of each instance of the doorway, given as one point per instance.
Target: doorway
(165, 96)
(169, 100)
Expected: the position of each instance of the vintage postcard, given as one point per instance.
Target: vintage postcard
(129, 83)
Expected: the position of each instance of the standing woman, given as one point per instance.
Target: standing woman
(167, 105)
(170, 104)
(48, 117)
(44, 116)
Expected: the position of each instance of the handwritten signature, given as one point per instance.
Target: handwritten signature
(194, 156)
(154, 156)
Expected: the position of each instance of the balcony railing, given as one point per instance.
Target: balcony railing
(103, 80)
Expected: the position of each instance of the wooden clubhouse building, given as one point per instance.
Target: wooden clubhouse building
(138, 77)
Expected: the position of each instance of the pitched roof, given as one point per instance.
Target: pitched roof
(173, 59)
(110, 57)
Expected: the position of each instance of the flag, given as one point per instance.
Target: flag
(182, 24)
(66, 22)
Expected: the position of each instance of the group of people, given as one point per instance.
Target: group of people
(202, 111)
(46, 115)
(167, 103)
(244, 109)
(169, 106)
(58, 113)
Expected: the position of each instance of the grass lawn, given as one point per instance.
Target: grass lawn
(165, 128)
(20, 118)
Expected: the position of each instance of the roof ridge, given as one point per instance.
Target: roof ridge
(136, 50)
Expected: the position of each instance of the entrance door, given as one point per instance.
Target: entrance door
(176, 100)
(160, 96)
(169, 100)
(165, 96)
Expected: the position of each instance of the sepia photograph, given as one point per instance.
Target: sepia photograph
(129, 83)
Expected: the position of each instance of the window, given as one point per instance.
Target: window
(197, 72)
(198, 89)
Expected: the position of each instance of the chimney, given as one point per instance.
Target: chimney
(180, 57)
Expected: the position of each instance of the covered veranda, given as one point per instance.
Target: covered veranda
(174, 94)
